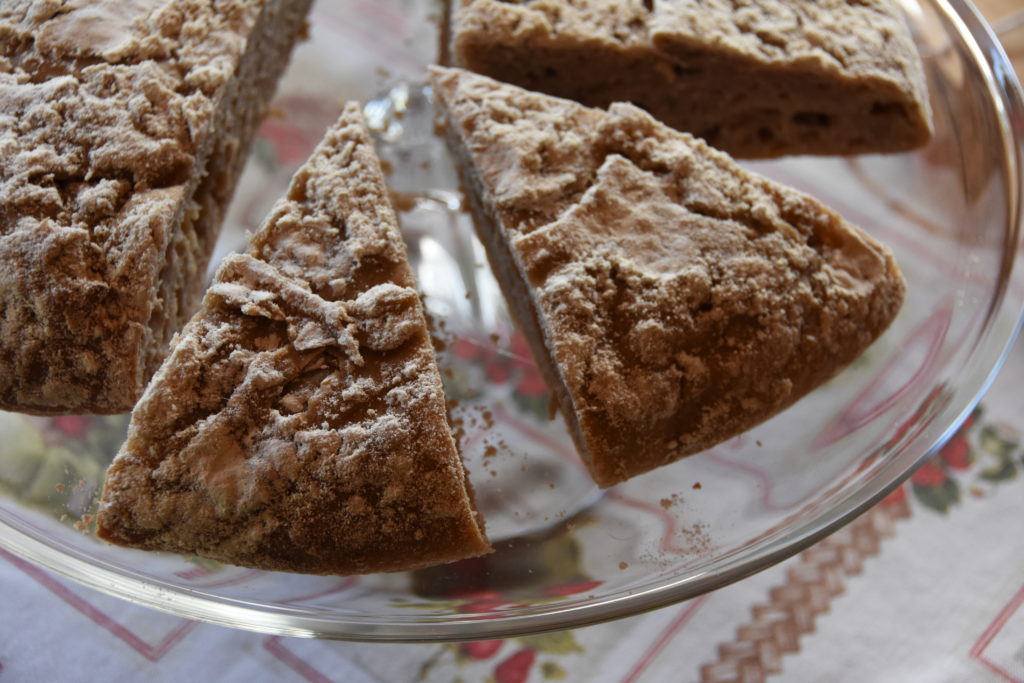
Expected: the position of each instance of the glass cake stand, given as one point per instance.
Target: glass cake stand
(568, 554)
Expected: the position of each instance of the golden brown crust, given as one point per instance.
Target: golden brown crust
(122, 128)
(299, 423)
(678, 299)
(756, 78)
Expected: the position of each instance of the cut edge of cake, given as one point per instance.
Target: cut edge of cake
(831, 95)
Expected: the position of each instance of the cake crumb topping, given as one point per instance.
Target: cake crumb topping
(112, 114)
(680, 299)
(299, 422)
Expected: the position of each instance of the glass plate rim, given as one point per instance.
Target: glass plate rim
(69, 562)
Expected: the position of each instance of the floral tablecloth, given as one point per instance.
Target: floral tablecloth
(928, 586)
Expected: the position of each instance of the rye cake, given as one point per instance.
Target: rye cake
(299, 423)
(672, 299)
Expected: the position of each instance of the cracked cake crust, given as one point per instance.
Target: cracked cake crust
(123, 126)
(755, 78)
(299, 422)
(672, 299)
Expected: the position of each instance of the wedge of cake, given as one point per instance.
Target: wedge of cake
(299, 423)
(672, 299)
(123, 125)
(756, 78)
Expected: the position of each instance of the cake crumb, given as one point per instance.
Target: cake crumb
(697, 537)
(623, 565)
(404, 202)
(84, 523)
(697, 485)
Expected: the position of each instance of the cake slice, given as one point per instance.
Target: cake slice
(123, 126)
(756, 78)
(298, 423)
(671, 299)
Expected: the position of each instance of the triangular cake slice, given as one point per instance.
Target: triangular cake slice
(298, 423)
(755, 79)
(672, 299)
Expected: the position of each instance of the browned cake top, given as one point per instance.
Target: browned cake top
(299, 422)
(683, 299)
(104, 112)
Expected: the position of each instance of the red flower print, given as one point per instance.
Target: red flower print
(957, 453)
(74, 426)
(518, 347)
(480, 601)
(482, 606)
(466, 349)
(532, 384)
(573, 588)
(498, 372)
(291, 146)
(475, 594)
(516, 668)
(929, 474)
(897, 497)
(481, 649)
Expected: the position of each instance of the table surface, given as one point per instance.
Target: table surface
(903, 593)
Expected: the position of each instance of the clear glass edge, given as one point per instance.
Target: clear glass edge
(279, 620)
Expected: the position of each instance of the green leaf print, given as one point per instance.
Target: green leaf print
(557, 643)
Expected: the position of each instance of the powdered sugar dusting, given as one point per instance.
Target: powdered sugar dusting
(299, 422)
